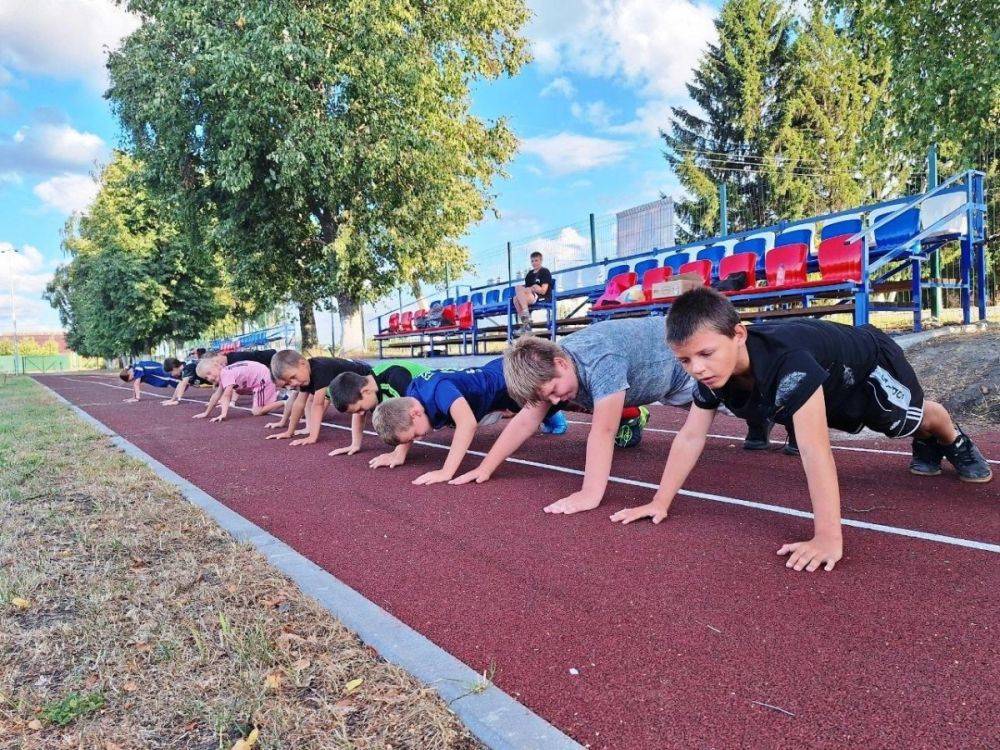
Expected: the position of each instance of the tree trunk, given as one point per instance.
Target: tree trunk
(307, 326)
(352, 339)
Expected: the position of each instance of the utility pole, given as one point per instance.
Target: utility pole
(13, 307)
(723, 211)
(932, 182)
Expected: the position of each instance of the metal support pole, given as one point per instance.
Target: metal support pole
(400, 292)
(978, 230)
(510, 272)
(932, 182)
(593, 240)
(723, 211)
(447, 280)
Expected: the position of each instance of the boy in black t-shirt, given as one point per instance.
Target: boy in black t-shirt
(537, 288)
(184, 373)
(812, 375)
(311, 377)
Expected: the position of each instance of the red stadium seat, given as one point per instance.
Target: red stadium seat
(840, 260)
(740, 262)
(393, 323)
(701, 267)
(406, 321)
(616, 285)
(655, 276)
(792, 258)
(464, 315)
(448, 315)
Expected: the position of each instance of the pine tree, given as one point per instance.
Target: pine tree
(740, 87)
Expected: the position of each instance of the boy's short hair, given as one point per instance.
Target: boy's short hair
(535, 254)
(172, 363)
(391, 417)
(528, 365)
(699, 308)
(346, 389)
(284, 361)
(125, 374)
(199, 352)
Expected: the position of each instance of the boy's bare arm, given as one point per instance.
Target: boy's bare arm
(315, 419)
(178, 393)
(227, 397)
(812, 434)
(285, 413)
(298, 406)
(684, 453)
(357, 435)
(600, 452)
(523, 425)
(136, 383)
(465, 430)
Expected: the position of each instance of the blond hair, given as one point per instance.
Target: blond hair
(284, 361)
(528, 365)
(391, 417)
(206, 361)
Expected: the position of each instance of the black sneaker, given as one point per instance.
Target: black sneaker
(927, 455)
(967, 460)
(791, 447)
(758, 436)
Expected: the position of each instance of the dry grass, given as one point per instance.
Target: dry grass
(128, 619)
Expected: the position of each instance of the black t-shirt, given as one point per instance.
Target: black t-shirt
(263, 356)
(188, 372)
(541, 276)
(322, 371)
(392, 381)
(789, 361)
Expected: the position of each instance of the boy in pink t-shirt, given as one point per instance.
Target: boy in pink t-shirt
(248, 377)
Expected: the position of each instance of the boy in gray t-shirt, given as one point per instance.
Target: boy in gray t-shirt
(605, 368)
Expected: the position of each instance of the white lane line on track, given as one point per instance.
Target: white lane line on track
(739, 439)
(781, 510)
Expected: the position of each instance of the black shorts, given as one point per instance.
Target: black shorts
(890, 400)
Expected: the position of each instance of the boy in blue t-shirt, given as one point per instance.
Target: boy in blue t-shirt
(145, 371)
(463, 399)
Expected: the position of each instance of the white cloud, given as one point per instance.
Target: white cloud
(566, 153)
(10, 178)
(652, 45)
(67, 193)
(30, 273)
(567, 246)
(596, 113)
(66, 39)
(49, 147)
(561, 86)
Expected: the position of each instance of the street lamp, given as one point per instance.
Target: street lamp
(13, 309)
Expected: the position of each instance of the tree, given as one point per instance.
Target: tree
(740, 85)
(830, 151)
(134, 279)
(332, 137)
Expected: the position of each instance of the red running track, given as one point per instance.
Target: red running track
(687, 634)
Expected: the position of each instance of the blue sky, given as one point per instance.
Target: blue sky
(586, 110)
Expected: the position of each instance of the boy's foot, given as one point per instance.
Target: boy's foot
(630, 430)
(525, 327)
(967, 460)
(927, 455)
(554, 425)
(758, 437)
(791, 447)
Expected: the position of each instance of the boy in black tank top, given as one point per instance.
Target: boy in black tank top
(812, 375)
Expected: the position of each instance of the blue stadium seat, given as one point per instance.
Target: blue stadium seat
(615, 270)
(448, 301)
(461, 299)
(477, 299)
(794, 237)
(715, 253)
(676, 261)
(837, 228)
(507, 294)
(897, 232)
(493, 297)
(642, 266)
(436, 303)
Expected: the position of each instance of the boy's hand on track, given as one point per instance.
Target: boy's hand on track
(132, 400)
(575, 503)
(433, 477)
(347, 450)
(303, 441)
(810, 555)
(649, 510)
(390, 460)
(169, 402)
(477, 475)
(200, 415)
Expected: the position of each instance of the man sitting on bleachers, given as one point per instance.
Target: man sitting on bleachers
(537, 288)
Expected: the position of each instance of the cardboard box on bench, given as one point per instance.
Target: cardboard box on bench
(676, 286)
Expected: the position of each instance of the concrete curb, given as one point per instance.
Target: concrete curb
(910, 339)
(499, 721)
